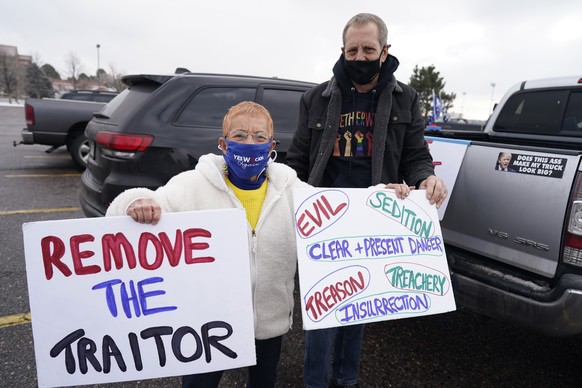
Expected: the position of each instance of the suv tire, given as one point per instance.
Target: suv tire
(79, 149)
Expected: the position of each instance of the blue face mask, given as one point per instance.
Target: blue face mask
(246, 160)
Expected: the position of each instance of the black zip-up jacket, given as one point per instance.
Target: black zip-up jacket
(399, 153)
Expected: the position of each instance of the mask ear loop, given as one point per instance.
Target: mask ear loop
(273, 155)
(224, 167)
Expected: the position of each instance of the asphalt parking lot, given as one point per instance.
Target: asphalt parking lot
(457, 349)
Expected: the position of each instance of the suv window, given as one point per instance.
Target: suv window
(284, 108)
(208, 107)
(123, 107)
(538, 112)
(573, 116)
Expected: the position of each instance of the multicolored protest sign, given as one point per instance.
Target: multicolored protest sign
(367, 256)
(114, 300)
(447, 155)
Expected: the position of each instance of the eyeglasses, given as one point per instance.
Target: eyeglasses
(240, 136)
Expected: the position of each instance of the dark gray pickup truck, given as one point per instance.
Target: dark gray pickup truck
(513, 225)
(62, 122)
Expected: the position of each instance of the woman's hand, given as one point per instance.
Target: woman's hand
(144, 211)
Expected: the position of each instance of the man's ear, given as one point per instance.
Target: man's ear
(384, 55)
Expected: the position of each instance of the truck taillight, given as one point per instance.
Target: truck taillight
(572, 253)
(29, 114)
(123, 145)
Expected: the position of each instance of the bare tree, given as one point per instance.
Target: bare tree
(74, 67)
(114, 79)
(10, 76)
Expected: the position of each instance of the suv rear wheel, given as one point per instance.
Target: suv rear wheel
(79, 148)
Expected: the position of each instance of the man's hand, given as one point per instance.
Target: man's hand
(400, 189)
(436, 191)
(145, 211)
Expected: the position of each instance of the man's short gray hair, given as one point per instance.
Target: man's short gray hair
(365, 18)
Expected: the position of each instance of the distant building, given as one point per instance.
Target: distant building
(13, 51)
(61, 86)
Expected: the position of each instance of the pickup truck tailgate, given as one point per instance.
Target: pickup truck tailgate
(514, 217)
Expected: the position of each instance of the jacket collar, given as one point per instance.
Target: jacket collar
(332, 85)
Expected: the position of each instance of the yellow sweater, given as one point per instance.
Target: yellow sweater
(252, 200)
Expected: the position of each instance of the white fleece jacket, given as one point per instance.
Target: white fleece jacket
(272, 247)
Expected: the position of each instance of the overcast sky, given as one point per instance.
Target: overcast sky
(472, 43)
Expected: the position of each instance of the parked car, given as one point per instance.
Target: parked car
(62, 122)
(513, 224)
(162, 124)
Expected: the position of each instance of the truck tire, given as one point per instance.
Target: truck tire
(79, 149)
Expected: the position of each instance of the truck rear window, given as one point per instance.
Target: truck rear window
(547, 112)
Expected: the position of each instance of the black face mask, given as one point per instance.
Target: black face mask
(362, 72)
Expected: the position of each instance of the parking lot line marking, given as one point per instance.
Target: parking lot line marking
(15, 319)
(46, 157)
(31, 211)
(41, 175)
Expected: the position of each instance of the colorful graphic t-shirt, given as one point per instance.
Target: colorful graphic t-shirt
(350, 164)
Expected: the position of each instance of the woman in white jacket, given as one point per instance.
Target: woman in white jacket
(243, 177)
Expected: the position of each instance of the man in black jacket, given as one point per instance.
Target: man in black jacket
(359, 129)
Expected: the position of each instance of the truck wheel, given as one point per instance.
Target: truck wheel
(79, 149)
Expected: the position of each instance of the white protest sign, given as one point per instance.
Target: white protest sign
(447, 155)
(114, 300)
(367, 256)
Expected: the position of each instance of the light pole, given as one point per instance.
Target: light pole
(463, 105)
(98, 67)
(492, 91)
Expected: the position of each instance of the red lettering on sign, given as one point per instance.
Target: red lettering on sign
(53, 250)
(118, 251)
(320, 302)
(322, 209)
(112, 245)
(78, 255)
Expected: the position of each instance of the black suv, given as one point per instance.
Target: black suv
(162, 124)
(90, 95)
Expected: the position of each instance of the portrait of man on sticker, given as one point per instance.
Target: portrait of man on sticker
(503, 161)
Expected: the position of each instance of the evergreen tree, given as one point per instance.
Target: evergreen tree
(38, 85)
(50, 71)
(427, 81)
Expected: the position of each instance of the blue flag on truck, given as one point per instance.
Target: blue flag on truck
(436, 107)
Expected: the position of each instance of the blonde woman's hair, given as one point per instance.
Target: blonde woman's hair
(247, 108)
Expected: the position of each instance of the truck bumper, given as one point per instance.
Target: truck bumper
(55, 139)
(555, 312)
(27, 136)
